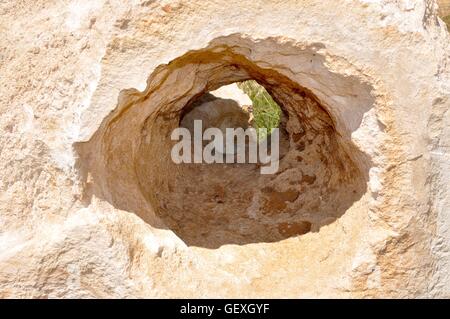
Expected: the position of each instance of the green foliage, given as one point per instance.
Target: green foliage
(447, 21)
(266, 111)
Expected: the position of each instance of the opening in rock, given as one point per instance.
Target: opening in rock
(128, 161)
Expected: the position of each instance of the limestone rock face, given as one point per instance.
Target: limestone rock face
(91, 204)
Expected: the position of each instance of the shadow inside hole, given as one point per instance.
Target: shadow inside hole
(210, 205)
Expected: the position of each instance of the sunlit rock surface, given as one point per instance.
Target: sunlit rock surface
(91, 204)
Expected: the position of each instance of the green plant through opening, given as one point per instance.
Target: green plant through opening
(266, 111)
(447, 21)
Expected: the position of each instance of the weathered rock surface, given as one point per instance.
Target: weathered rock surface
(90, 90)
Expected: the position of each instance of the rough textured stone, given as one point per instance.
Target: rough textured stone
(90, 90)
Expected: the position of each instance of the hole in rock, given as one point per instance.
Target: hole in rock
(128, 160)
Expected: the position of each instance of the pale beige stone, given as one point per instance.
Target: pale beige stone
(90, 204)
